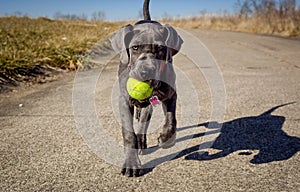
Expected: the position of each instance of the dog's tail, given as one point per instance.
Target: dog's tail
(146, 10)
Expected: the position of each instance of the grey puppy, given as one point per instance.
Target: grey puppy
(146, 50)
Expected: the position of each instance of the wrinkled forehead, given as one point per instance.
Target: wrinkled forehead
(147, 33)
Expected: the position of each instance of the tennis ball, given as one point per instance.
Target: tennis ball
(138, 90)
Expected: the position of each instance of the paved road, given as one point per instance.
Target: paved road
(257, 148)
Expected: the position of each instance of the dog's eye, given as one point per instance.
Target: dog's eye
(135, 48)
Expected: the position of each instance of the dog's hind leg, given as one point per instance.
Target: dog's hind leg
(167, 137)
(144, 117)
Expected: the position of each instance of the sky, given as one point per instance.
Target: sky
(115, 10)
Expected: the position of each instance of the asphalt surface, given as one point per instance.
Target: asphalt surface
(49, 144)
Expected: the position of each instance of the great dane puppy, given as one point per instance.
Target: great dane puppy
(146, 50)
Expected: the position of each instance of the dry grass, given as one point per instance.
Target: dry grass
(26, 44)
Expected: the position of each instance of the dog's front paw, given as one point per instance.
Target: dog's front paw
(167, 138)
(165, 142)
(132, 165)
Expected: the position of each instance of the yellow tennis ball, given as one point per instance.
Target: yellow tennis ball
(138, 90)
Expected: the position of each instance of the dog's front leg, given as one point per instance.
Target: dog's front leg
(167, 138)
(132, 164)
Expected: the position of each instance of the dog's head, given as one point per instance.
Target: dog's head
(145, 48)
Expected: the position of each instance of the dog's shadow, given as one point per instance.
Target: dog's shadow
(262, 133)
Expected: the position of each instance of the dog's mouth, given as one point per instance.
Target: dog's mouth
(154, 83)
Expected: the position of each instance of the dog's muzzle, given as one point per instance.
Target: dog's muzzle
(154, 83)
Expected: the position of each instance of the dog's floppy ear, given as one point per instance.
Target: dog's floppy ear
(173, 40)
(120, 41)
